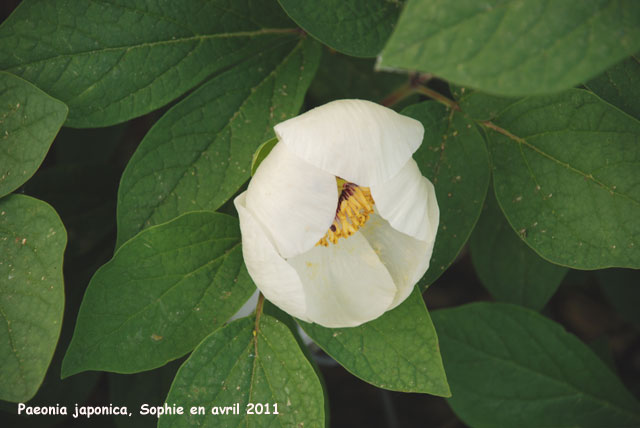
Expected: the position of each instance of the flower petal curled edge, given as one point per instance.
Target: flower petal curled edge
(291, 200)
(359, 141)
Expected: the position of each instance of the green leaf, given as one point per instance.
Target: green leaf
(620, 85)
(357, 79)
(510, 270)
(29, 121)
(53, 391)
(111, 61)
(261, 153)
(134, 390)
(398, 351)
(454, 157)
(511, 367)
(353, 27)
(622, 288)
(602, 349)
(199, 153)
(77, 273)
(514, 47)
(162, 292)
(32, 242)
(481, 106)
(566, 177)
(238, 364)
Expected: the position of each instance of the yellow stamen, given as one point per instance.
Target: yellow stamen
(361, 197)
(355, 205)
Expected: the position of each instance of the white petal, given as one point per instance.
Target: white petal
(277, 280)
(408, 203)
(433, 211)
(357, 140)
(294, 201)
(346, 284)
(248, 307)
(406, 258)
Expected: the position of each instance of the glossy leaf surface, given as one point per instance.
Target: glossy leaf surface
(514, 47)
(398, 351)
(199, 153)
(29, 121)
(547, 376)
(507, 267)
(566, 177)
(248, 362)
(32, 243)
(110, 61)
(354, 27)
(160, 295)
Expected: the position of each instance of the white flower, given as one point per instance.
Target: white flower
(338, 224)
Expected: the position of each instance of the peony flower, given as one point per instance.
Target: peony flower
(338, 224)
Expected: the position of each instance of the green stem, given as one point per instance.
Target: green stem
(398, 95)
(409, 88)
(421, 89)
(491, 125)
(256, 325)
(259, 311)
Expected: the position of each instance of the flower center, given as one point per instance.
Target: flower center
(355, 204)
